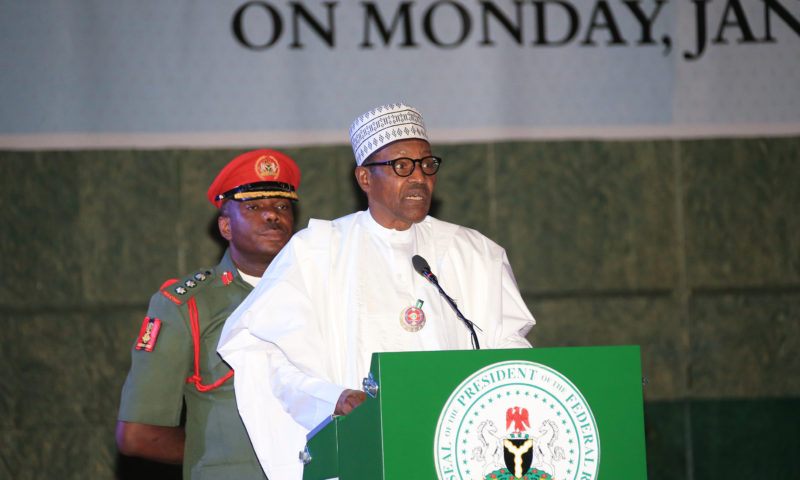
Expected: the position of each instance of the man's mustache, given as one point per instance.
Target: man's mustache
(273, 226)
(419, 190)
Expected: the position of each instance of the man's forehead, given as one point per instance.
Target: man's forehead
(407, 147)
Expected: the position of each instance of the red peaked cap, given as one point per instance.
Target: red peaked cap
(256, 174)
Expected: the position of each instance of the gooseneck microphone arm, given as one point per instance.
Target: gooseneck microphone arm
(422, 267)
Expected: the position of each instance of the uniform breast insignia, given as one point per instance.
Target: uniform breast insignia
(148, 334)
(413, 318)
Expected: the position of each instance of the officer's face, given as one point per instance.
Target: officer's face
(394, 201)
(257, 229)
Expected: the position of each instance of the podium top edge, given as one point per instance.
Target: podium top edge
(510, 350)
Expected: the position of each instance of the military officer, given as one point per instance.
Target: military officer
(174, 359)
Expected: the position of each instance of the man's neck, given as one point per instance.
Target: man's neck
(254, 268)
(391, 223)
(251, 279)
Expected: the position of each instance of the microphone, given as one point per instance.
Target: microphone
(422, 267)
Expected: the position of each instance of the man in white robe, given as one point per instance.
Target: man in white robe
(342, 290)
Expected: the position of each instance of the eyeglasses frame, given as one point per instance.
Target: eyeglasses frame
(414, 162)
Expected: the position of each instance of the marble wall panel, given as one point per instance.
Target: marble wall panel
(78, 452)
(745, 345)
(745, 438)
(130, 204)
(465, 187)
(198, 239)
(46, 384)
(651, 322)
(741, 202)
(593, 231)
(106, 358)
(39, 243)
(9, 437)
(589, 216)
(63, 374)
(328, 188)
(665, 425)
(66, 369)
(9, 365)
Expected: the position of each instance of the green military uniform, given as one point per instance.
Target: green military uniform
(217, 445)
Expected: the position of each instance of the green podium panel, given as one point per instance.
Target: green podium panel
(565, 413)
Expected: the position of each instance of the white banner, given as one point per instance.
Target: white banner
(206, 73)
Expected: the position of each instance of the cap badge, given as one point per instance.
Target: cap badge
(267, 167)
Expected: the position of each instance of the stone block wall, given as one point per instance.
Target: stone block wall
(688, 248)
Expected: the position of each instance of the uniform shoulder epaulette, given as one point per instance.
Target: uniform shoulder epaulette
(180, 290)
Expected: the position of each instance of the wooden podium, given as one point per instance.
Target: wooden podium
(565, 413)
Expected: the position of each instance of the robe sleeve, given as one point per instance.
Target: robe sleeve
(282, 387)
(308, 399)
(516, 319)
(487, 288)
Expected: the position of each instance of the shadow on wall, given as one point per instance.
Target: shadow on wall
(130, 468)
(213, 233)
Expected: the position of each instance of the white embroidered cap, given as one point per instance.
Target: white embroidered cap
(384, 125)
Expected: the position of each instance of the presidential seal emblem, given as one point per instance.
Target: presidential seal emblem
(516, 420)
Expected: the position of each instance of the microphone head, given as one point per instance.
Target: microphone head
(420, 265)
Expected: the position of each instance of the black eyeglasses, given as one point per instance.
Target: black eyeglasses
(404, 166)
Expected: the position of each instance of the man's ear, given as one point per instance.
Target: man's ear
(362, 177)
(224, 224)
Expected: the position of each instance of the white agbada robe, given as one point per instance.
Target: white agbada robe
(333, 296)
